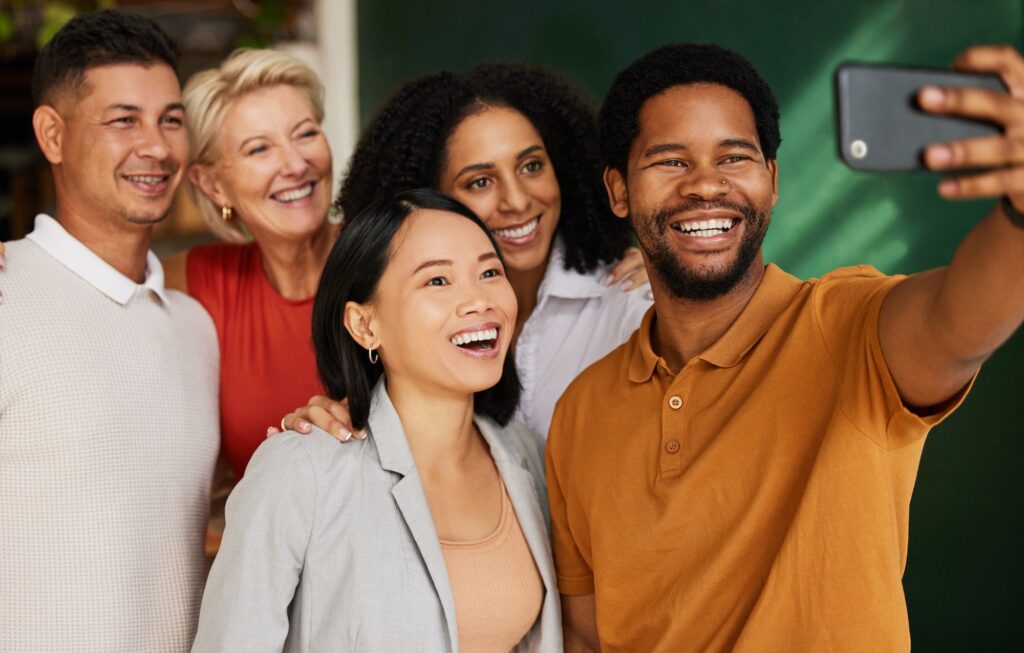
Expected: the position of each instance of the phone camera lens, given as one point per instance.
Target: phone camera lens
(858, 149)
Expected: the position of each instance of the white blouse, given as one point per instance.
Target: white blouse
(577, 321)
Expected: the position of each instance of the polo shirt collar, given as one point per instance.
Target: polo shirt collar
(567, 284)
(775, 292)
(70, 252)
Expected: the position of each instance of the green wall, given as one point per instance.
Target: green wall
(965, 575)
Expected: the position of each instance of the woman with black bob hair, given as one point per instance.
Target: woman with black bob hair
(518, 145)
(430, 534)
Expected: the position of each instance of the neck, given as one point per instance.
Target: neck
(526, 285)
(293, 267)
(684, 328)
(438, 426)
(122, 245)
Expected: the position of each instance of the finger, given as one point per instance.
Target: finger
(360, 434)
(975, 153)
(326, 420)
(1005, 181)
(295, 422)
(340, 413)
(630, 262)
(976, 103)
(1002, 60)
(3, 261)
(272, 430)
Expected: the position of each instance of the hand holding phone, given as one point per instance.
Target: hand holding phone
(997, 152)
(882, 128)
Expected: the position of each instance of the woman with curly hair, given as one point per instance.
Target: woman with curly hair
(518, 145)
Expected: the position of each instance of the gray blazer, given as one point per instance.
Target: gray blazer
(331, 547)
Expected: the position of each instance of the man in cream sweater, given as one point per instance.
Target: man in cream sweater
(108, 382)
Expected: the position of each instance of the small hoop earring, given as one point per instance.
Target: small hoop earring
(225, 213)
(372, 354)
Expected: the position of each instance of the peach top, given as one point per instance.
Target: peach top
(498, 590)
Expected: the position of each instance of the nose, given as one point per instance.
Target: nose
(153, 143)
(474, 300)
(704, 183)
(294, 162)
(514, 197)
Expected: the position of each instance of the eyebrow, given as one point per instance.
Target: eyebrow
(741, 143)
(474, 167)
(134, 108)
(443, 261)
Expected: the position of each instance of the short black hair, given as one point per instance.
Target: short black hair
(352, 273)
(100, 38)
(676, 65)
(404, 147)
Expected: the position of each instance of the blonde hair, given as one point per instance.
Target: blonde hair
(208, 97)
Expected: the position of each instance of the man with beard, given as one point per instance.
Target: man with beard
(108, 382)
(737, 476)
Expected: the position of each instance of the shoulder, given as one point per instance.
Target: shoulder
(846, 292)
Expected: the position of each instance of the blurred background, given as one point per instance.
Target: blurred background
(965, 572)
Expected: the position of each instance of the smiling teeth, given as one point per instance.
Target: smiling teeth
(145, 179)
(292, 195)
(706, 228)
(518, 232)
(474, 336)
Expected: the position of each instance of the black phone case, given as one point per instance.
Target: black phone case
(881, 128)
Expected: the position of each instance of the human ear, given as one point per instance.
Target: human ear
(360, 324)
(618, 195)
(773, 170)
(202, 177)
(49, 128)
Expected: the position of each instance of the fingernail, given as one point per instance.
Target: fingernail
(344, 435)
(949, 188)
(608, 278)
(304, 427)
(360, 435)
(627, 284)
(270, 431)
(933, 96)
(939, 156)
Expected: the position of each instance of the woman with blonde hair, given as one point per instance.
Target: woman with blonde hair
(260, 174)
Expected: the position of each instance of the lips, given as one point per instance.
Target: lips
(705, 228)
(294, 194)
(519, 234)
(149, 183)
(480, 341)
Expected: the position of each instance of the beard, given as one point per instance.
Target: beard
(699, 284)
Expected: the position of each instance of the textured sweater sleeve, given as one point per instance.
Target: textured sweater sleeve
(270, 516)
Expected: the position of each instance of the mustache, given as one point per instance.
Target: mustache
(664, 216)
(165, 167)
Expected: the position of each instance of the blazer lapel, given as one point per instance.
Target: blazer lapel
(393, 448)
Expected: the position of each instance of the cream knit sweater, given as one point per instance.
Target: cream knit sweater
(108, 435)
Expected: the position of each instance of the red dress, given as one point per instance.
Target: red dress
(267, 366)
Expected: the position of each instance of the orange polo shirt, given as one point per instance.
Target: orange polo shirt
(758, 500)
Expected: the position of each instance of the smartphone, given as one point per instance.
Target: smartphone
(882, 129)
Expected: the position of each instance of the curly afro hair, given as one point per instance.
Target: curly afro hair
(675, 65)
(404, 148)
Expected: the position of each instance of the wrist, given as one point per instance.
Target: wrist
(1011, 212)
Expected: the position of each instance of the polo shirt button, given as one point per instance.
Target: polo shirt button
(672, 446)
(675, 402)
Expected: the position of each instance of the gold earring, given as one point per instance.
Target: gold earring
(225, 213)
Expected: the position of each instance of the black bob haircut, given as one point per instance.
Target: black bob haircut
(676, 65)
(100, 38)
(404, 147)
(352, 273)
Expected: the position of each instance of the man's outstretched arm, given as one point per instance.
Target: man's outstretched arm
(936, 328)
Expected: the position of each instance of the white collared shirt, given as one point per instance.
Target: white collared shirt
(577, 321)
(58, 243)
